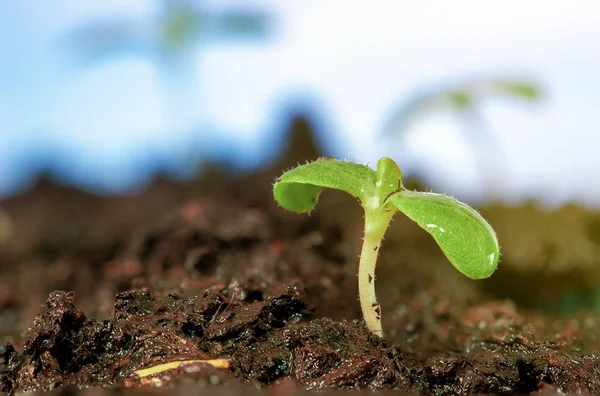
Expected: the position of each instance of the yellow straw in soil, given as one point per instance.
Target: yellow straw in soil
(159, 368)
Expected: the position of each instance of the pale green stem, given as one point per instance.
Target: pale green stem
(375, 227)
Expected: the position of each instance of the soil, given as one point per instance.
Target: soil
(215, 270)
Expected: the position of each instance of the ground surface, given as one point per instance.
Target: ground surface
(178, 273)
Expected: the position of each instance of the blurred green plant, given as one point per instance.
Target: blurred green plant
(178, 30)
(466, 101)
(466, 239)
(180, 25)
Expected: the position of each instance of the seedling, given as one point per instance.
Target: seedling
(466, 239)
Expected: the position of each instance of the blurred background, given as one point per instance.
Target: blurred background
(106, 105)
(493, 100)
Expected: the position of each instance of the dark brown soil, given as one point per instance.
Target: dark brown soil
(176, 273)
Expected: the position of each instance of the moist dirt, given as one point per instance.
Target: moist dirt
(94, 289)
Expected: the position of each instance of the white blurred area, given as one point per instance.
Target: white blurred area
(354, 60)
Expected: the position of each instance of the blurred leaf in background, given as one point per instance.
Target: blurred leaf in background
(173, 39)
(178, 27)
(466, 101)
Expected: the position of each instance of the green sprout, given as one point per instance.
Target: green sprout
(466, 239)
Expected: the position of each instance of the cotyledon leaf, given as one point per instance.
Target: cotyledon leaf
(298, 189)
(388, 178)
(464, 236)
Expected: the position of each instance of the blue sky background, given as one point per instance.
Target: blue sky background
(109, 125)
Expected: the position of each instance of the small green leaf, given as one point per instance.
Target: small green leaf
(298, 189)
(461, 100)
(465, 237)
(388, 178)
(518, 89)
